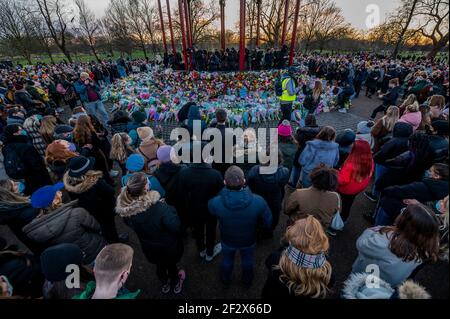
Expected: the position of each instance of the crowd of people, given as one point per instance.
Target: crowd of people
(69, 170)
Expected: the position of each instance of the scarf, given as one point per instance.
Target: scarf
(304, 260)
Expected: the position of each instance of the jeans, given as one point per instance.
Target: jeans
(98, 109)
(383, 218)
(380, 170)
(205, 233)
(226, 267)
(305, 180)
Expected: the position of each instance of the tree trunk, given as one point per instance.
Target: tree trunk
(94, 52)
(405, 28)
(438, 46)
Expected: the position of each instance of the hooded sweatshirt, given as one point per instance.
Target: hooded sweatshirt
(317, 152)
(238, 213)
(395, 146)
(413, 118)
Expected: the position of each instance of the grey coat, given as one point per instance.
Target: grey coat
(68, 224)
(373, 248)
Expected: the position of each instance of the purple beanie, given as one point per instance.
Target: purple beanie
(163, 153)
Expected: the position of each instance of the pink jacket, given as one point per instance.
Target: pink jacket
(413, 119)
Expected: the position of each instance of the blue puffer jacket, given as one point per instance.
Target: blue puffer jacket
(238, 213)
(317, 152)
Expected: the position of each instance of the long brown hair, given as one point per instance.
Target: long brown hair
(9, 197)
(47, 128)
(415, 236)
(327, 133)
(308, 236)
(56, 151)
(82, 133)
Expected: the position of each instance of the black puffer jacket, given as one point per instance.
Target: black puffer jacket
(395, 146)
(36, 174)
(156, 225)
(119, 123)
(68, 224)
(168, 176)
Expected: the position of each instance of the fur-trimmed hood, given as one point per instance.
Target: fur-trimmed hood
(361, 286)
(412, 290)
(127, 207)
(92, 177)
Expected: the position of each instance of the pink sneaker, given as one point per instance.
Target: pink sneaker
(179, 287)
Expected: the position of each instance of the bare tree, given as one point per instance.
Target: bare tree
(16, 28)
(88, 27)
(119, 27)
(433, 16)
(133, 14)
(203, 17)
(106, 34)
(56, 16)
(148, 16)
(403, 18)
(41, 32)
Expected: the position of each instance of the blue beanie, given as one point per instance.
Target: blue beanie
(44, 196)
(135, 163)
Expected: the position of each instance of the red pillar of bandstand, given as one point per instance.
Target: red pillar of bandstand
(294, 33)
(242, 37)
(258, 22)
(161, 20)
(186, 6)
(183, 34)
(174, 50)
(222, 24)
(285, 22)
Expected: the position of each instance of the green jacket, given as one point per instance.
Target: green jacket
(90, 289)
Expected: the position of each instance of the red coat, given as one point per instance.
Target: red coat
(348, 186)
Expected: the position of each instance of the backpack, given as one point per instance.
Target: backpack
(278, 87)
(14, 165)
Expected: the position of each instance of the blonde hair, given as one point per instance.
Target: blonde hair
(47, 128)
(317, 91)
(119, 147)
(308, 236)
(414, 107)
(8, 196)
(409, 100)
(391, 117)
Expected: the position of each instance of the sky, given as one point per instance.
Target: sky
(354, 10)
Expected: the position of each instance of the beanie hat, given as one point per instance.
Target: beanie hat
(135, 163)
(54, 261)
(163, 153)
(145, 132)
(346, 138)
(441, 127)
(139, 117)
(62, 129)
(365, 127)
(44, 196)
(80, 165)
(285, 129)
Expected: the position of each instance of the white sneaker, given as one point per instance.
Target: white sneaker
(203, 254)
(342, 110)
(217, 251)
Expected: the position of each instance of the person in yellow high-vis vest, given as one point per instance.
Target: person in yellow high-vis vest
(288, 96)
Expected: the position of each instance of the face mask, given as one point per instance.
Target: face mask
(438, 206)
(72, 147)
(20, 187)
(39, 117)
(23, 133)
